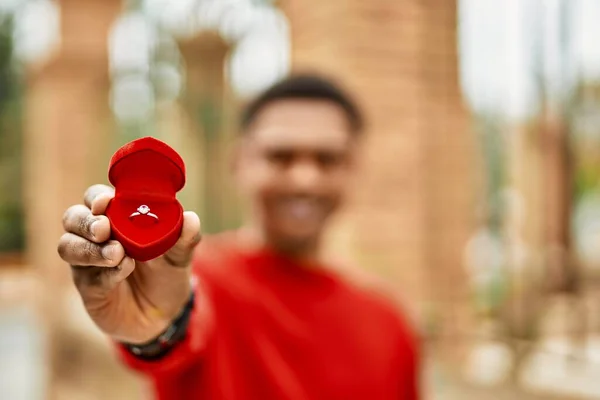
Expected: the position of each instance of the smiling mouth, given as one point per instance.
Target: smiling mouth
(303, 209)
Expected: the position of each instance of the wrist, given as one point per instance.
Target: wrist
(173, 333)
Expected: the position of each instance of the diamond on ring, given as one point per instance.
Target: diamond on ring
(144, 210)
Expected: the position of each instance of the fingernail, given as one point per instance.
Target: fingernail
(93, 228)
(108, 252)
(125, 260)
(197, 237)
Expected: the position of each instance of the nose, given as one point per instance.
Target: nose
(305, 175)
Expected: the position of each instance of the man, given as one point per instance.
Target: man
(265, 316)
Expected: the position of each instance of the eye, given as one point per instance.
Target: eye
(329, 159)
(280, 158)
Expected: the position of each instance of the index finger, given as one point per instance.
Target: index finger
(97, 197)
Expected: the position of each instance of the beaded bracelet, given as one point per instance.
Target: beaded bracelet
(164, 343)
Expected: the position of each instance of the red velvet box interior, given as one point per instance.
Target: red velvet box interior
(146, 172)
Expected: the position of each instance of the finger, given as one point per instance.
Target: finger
(105, 279)
(179, 255)
(76, 250)
(94, 191)
(79, 220)
(100, 203)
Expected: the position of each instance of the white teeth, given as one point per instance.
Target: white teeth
(301, 209)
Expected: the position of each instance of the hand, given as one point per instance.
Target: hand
(128, 300)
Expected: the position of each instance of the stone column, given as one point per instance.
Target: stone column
(414, 204)
(204, 107)
(452, 166)
(67, 129)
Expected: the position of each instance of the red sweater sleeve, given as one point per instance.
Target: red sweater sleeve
(186, 352)
(410, 356)
(413, 378)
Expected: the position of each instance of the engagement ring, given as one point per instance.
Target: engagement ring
(144, 210)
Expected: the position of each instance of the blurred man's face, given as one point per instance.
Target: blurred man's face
(294, 165)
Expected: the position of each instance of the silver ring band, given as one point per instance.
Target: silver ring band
(144, 210)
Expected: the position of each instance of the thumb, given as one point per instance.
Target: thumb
(180, 254)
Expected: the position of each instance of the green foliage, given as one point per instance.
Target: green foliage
(586, 181)
(12, 234)
(12, 230)
(6, 52)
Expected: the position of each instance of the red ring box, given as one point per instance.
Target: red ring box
(146, 172)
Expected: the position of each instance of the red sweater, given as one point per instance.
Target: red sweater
(278, 330)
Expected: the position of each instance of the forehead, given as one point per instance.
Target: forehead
(301, 123)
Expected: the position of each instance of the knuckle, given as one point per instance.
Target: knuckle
(89, 251)
(84, 226)
(68, 215)
(78, 220)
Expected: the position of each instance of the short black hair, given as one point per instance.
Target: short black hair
(305, 86)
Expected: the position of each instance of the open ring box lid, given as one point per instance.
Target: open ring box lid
(146, 172)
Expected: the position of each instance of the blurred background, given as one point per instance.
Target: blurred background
(479, 201)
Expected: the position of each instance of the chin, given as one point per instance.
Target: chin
(297, 242)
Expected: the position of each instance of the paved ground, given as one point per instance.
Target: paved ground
(22, 370)
(446, 383)
(455, 389)
(462, 392)
(21, 356)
